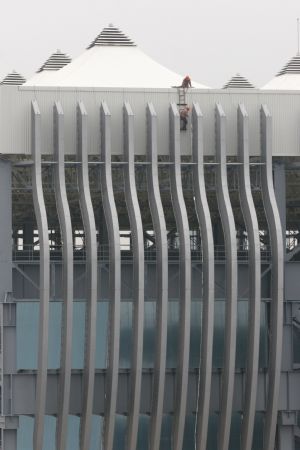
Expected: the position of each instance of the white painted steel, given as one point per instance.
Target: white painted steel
(277, 287)
(91, 278)
(136, 228)
(112, 224)
(44, 281)
(208, 280)
(254, 302)
(227, 219)
(182, 224)
(64, 218)
(161, 244)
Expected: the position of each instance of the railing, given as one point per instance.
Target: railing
(30, 254)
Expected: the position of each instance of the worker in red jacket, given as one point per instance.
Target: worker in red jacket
(186, 82)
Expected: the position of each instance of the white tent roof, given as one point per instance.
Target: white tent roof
(288, 78)
(112, 61)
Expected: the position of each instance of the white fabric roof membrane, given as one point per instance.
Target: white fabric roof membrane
(288, 78)
(111, 61)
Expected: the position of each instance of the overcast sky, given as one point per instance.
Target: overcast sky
(209, 39)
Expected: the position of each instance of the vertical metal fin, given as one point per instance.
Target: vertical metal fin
(160, 231)
(91, 277)
(229, 231)
(208, 282)
(138, 276)
(182, 223)
(276, 322)
(64, 217)
(112, 223)
(251, 223)
(42, 225)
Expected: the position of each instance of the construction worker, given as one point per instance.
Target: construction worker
(186, 82)
(184, 114)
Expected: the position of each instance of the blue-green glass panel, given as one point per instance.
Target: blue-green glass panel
(149, 335)
(49, 433)
(120, 432)
(78, 335)
(212, 435)
(73, 433)
(195, 340)
(257, 443)
(166, 433)
(25, 433)
(143, 433)
(189, 432)
(55, 315)
(126, 335)
(96, 443)
(27, 335)
(235, 431)
(102, 335)
(172, 340)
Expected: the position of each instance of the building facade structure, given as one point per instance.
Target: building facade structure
(148, 284)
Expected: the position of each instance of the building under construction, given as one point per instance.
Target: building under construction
(150, 276)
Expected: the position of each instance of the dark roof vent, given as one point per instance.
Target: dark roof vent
(57, 61)
(238, 82)
(112, 36)
(13, 79)
(293, 66)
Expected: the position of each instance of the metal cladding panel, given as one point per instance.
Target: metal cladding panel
(252, 228)
(91, 278)
(204, 218)
(136, 227)
(277, 289)
(160, 231)
(182, 224)
(228, 225)
(44, 280)
(15, 117)
(64, 217)
(112, 223)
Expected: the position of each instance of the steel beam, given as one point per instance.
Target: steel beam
(136, 227)
(208, 281)
(276, 321)
(252, 228)
(65, 223)
(229, 231)
(182, 223)
(161, 243)
(91, 277)
(42, 226)
(112, 225)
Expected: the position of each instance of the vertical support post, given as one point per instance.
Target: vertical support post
(42, 225)
(229, 231)
(112, 225)
(160, 232)
(280, 194)
(276, 322)
(208, 281)
(251, 223)
(8, 349)
(64, 217)
(136, 226)
(91, 277)
(182, 223)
